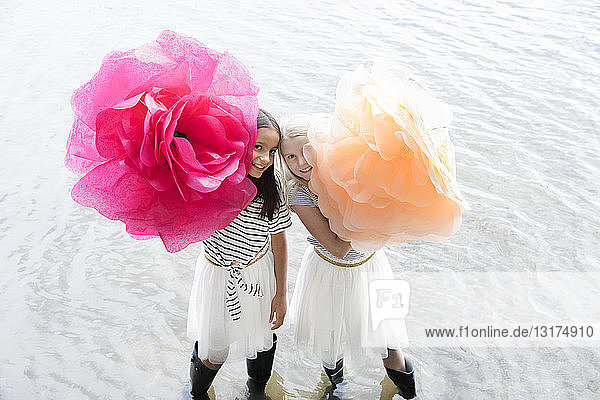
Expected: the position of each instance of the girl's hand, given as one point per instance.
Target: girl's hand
(278, 310)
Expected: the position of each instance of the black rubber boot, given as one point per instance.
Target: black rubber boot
(259, 372)
(404, 380)
(200, 376)
(336, 375)
(331, 394)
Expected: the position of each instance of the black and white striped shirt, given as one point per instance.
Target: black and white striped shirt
(242, 240)
(301, 196)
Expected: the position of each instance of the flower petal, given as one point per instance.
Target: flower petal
(382, 176)
(179, 186)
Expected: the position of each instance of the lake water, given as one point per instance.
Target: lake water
(88, 313)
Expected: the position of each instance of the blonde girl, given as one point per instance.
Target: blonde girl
(330, 304)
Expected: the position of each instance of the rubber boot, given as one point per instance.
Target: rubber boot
(200, 376)
(404, 380)
(336, 375)
(259, 372)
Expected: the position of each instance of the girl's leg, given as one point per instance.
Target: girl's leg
(259, 372)
(210, 365)
(202, 373)
(394, 360)
(400, 371)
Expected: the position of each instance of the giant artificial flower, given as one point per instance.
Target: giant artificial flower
(383, 165)
(163, 137)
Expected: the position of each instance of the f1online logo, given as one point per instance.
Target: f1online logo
(388, 299)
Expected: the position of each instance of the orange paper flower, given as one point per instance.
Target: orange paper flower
(384, 167)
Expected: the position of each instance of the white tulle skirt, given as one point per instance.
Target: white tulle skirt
(330, 311)
(210, 323)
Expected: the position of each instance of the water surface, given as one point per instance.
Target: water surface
(87, 312)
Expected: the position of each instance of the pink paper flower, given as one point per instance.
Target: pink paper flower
(163, 137)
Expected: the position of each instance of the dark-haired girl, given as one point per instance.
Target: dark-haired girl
(239, 293)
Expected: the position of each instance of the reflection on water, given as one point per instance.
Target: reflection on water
(90, 313)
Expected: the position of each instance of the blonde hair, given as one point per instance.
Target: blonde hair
(294, 126)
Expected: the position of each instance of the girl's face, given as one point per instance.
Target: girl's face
(263, 155)
(292, 150)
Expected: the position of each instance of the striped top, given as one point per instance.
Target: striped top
(242, 240)
(301, 196)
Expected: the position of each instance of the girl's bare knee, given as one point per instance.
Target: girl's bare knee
(394, 360)
(211, 365)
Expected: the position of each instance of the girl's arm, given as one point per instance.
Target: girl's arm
(279, 302)
(318, 227)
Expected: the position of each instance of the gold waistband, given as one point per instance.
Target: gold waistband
(261, 253)
(339, 264)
